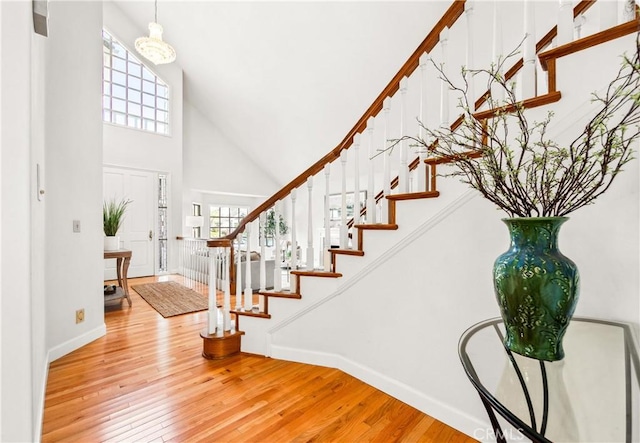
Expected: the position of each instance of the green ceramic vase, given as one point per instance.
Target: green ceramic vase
(536, 288)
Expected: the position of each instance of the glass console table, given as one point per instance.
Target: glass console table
(592, 395)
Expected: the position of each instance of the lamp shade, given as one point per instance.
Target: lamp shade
(194, 221)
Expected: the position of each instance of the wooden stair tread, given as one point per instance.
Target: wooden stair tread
(413, 195)
(347, 252)
(317, 274)
(378, 226)
(251, 314)
(280, 294)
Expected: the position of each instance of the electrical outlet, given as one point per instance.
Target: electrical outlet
(76, 226)
(79, 316)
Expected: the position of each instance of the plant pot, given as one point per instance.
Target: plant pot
(111, 242)
(536, 288)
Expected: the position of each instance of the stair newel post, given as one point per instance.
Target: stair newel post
(528, 78)
(212, 314)
(386, 162)
(471, 93)
(248, 292)
(344, 235)
(294, 240)
(326, 257)
(565, 23)
(404, 156)
(497, 92)
(239, 273)
(277, 270)
(371, 191)
(263, 264)
(226, 285)
(310, 252)
(444, 87)
(422, 152)
(356, 179)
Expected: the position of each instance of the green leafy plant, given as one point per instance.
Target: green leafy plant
(270, 224)
(113, 215)
(513, 163)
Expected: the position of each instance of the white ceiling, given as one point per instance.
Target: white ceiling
(286, 81)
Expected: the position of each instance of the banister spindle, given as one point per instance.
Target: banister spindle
(565, 23)
(444, 87)
(344, 236)
(248, 292)
(226, 285)
(356, 179)
(277, 270)
(471, 93)
(403, 176)
(310, 253)
(386, 163)
(263, 263)
(294, 241)
(497, 92)
(239, 273)
(212, 317)
(421, 150)
(371, 191)
(327, 227)
(528, 78)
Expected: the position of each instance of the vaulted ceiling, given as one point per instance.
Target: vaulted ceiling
(286, 80)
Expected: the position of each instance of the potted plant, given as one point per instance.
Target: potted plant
(112, 217)
(514, 164)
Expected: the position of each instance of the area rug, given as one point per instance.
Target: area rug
(170, 298)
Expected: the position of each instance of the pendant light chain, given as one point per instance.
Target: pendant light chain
(156, 11)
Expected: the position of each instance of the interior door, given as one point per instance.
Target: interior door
(137, 232)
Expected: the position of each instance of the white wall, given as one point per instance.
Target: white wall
(74, 175)
(130, 148)
(16, 383)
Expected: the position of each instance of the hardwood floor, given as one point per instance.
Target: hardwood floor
(146, 381)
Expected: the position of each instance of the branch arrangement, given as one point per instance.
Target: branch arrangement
(523, 171)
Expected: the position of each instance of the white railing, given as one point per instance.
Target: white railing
(421, 96)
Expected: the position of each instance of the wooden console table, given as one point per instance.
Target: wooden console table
(123, 257)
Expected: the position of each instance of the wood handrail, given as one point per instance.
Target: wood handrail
(446, 21)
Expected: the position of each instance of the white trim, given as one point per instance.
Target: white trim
(405, 393)
(76, 342)
(39, 402)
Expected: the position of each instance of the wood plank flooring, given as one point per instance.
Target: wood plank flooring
(146, 381)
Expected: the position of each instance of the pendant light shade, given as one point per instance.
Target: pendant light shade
(153, 48)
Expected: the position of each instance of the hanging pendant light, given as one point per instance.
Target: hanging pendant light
(153, 48)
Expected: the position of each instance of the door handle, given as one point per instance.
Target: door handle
(150, 234)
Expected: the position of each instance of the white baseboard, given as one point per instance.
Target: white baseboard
(77, 342)
(453, 417)
(38, 415)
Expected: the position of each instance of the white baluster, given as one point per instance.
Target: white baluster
(578, 22)
(422, 151)
(386, 162)
(277, 270)
(226, 284)
(529, 52)
(263, 262)
(471, 92)
(326, 257)
(248, 292)
(444, 88)
(356, 179)
(344, 235)
(371, 192)
(565, 22)
(294, 241)
(628, 12)
(239, 274)
(212, 316)
(497, 92)
(310, 252)
(403, 176)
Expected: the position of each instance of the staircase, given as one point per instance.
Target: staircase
(368, 305)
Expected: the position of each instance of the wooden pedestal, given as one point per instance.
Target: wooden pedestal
(216, 347)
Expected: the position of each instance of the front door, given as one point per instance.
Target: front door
(137, 232)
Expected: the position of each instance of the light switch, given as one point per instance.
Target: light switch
(76, 226)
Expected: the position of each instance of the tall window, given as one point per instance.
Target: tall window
(224, 219)
(162, 223)
(132, 95)
(196, 210)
